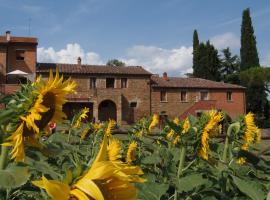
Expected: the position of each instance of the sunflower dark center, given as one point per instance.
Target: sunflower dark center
(48, 102)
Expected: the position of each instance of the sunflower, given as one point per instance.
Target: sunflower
(252, 134)
(82, 115)
(102, 181)
(176, 140)
(131, 153)
(214, 119)
(110, 126)
(171, 133)
(154, 122)
(46, 107)
(85, 133)
(114, 149)
(186, 126)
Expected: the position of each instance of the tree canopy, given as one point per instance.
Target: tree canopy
(248, 51)
(115, 63)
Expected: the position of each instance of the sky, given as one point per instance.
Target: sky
(155, 34)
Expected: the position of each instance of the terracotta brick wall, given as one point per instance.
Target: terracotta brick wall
(138, 90)
(234, 107)
(30, 58)
(174, 107)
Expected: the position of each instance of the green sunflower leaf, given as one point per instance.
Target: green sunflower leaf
(13, 177)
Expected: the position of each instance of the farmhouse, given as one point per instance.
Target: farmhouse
(125, 94)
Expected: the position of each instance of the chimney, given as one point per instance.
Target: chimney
(79, 62)
(165, 76)
(8, 36)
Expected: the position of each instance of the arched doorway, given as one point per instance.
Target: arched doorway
(107, 110)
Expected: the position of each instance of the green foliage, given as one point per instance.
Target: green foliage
(115, 63)
(201, 179)
(229, 64)
(172, 169)
(196, 43)
(248, 50)
(13, 177)
(252, 189)
(256, 80)
(208, 63)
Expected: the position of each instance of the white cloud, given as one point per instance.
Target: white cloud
(67, 55)
(175, 62)
(226, 40)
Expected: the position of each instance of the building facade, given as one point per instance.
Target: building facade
(124, 94)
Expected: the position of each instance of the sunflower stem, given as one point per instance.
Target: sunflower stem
(236, 127)
(3, 157)
(69, 134)
(180, 166)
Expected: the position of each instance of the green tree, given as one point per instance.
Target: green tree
(256, 80)
(196, 43)
(248, 51)
(208, 66)
(115, 63)
(229, 64)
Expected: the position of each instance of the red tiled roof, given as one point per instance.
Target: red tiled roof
(177, 82)
(91, 69)
(14, 39)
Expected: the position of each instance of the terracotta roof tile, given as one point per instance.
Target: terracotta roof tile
(91, 69)
(14, 39)
(177, 82)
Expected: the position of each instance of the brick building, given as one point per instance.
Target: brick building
(125, 94)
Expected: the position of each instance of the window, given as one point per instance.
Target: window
(123, 82)
(109, 82)
(163, 96)
(92, 83)
(183, 96)
(204, 95)
(133, 104)
(229, 96)
(19, 54)
(199, 113)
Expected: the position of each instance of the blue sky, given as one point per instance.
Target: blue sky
(154, 33)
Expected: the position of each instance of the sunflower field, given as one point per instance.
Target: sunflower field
(207, 157)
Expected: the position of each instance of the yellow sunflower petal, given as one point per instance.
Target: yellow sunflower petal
(55, 189)
(79, 194)
(131, 153)
(114, 149)
(89, 187)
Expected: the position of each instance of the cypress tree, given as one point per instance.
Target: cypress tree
(248, 51)
(208, 66)
(195, 50)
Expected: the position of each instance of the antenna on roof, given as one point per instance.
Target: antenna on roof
(29, 26)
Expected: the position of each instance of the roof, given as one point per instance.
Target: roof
(91, 69)
(14, 39)
(177, 82)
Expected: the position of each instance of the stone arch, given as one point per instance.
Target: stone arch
(107, 110)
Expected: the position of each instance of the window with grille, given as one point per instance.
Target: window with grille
(183, 96)
(92, 83)
(20, 54)
(123, 82)
(133, 104)
(109, 82)
(204, 95)
(163, 96)
(229, 96)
